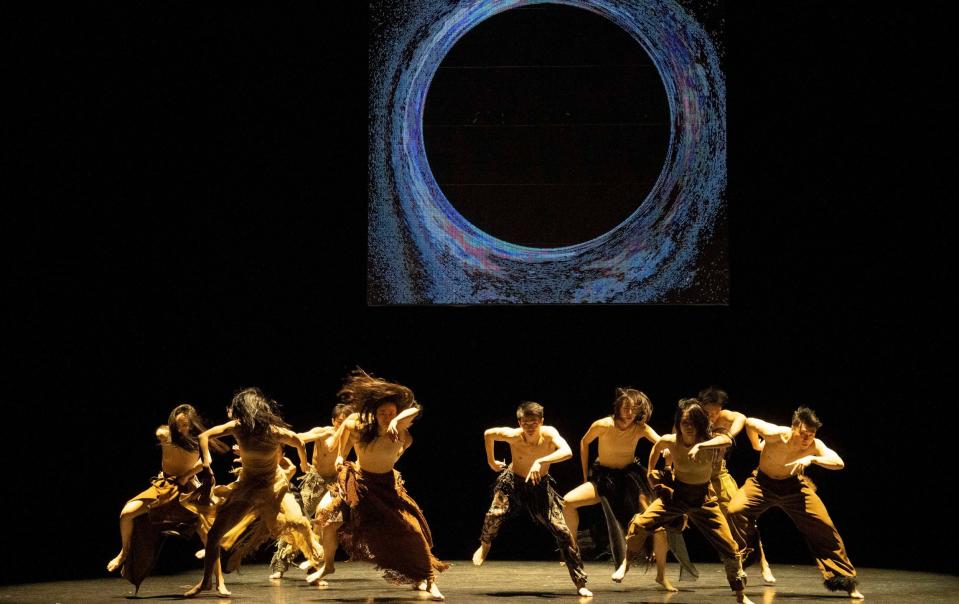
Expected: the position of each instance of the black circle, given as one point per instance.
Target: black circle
(546, 126)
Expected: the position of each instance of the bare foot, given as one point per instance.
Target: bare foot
(742, 598)
(196, 589)
(856, 594)
(620, 572)
(324, 571)
(222, 590)
(305, 565)
(584, 593)
(768, 575)
(117, 562)
(666, 584)
(421, 586)
(435, 592)
(277, 575)
(200, 554)
(479, 556)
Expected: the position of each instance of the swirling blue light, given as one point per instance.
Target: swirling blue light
(421, 250)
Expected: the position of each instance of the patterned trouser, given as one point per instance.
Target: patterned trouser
(545, 506)
(312, 488)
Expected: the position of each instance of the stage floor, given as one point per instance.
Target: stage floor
(501, 581)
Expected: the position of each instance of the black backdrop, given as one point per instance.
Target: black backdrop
(194, 222)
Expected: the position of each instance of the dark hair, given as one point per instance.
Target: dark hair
(365, 394)
(529, 408)
(256, 414)
(713, 396)
(341, 409)
(806, 416)
(644, 406)
(190, 441)
(691, 408)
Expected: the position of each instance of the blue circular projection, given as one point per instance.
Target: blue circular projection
(421, 250)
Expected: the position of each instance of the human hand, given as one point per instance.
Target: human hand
(534, 473)
(694, 451)
(799, 466)
(393, 430)
(496, 465)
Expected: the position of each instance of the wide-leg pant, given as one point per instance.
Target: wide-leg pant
(797, 497)
(699, 506)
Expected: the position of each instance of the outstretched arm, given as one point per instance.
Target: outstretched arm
(343, 442)
(824, 457)
(318, 433)
(720, 441)
(489, 439)
(292, 439)
(765, 429)
(204, 439)
(737, 422)
(592, 434)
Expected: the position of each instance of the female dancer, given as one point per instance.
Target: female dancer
(262, 486)
(382, 522)
(158, 507)
(687, 493)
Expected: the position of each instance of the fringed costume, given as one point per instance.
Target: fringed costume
(382, 524)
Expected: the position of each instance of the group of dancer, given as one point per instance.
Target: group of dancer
(362, 505)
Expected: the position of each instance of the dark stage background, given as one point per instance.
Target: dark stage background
(192, 220)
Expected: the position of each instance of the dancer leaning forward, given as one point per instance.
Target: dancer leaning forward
(687, 493)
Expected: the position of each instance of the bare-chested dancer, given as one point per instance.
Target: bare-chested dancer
(313, 484)
(526, 483)
(161, 502)
(687, 494)
(617, 476)
(780, 481)
(262, 486)
(732, 422)
(382, 522)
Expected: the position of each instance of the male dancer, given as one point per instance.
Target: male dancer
(712, 399)
(313, 484)
(780, 481)
(526, 483)
(687, 494)
(618, 480)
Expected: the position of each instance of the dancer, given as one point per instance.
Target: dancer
(314, 484)
(262, 487)
(618, 478)
(158, 508)
(382, 522)
(526, 483)
(687, 493)
(712, 400)
(780, 481)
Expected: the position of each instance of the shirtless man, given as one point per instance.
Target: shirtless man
(618, 477)
(712, 400)
(314, 484)
(383, 523)
(526, 483)
(687, 494)
(780, 481)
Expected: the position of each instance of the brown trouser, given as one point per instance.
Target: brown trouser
(797, 497)
(698, 505)
(726, 488)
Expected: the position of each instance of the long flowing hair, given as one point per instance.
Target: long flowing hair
(365, 394)
(190, 442)
(256, 414)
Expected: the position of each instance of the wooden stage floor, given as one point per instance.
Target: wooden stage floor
(500, 581)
